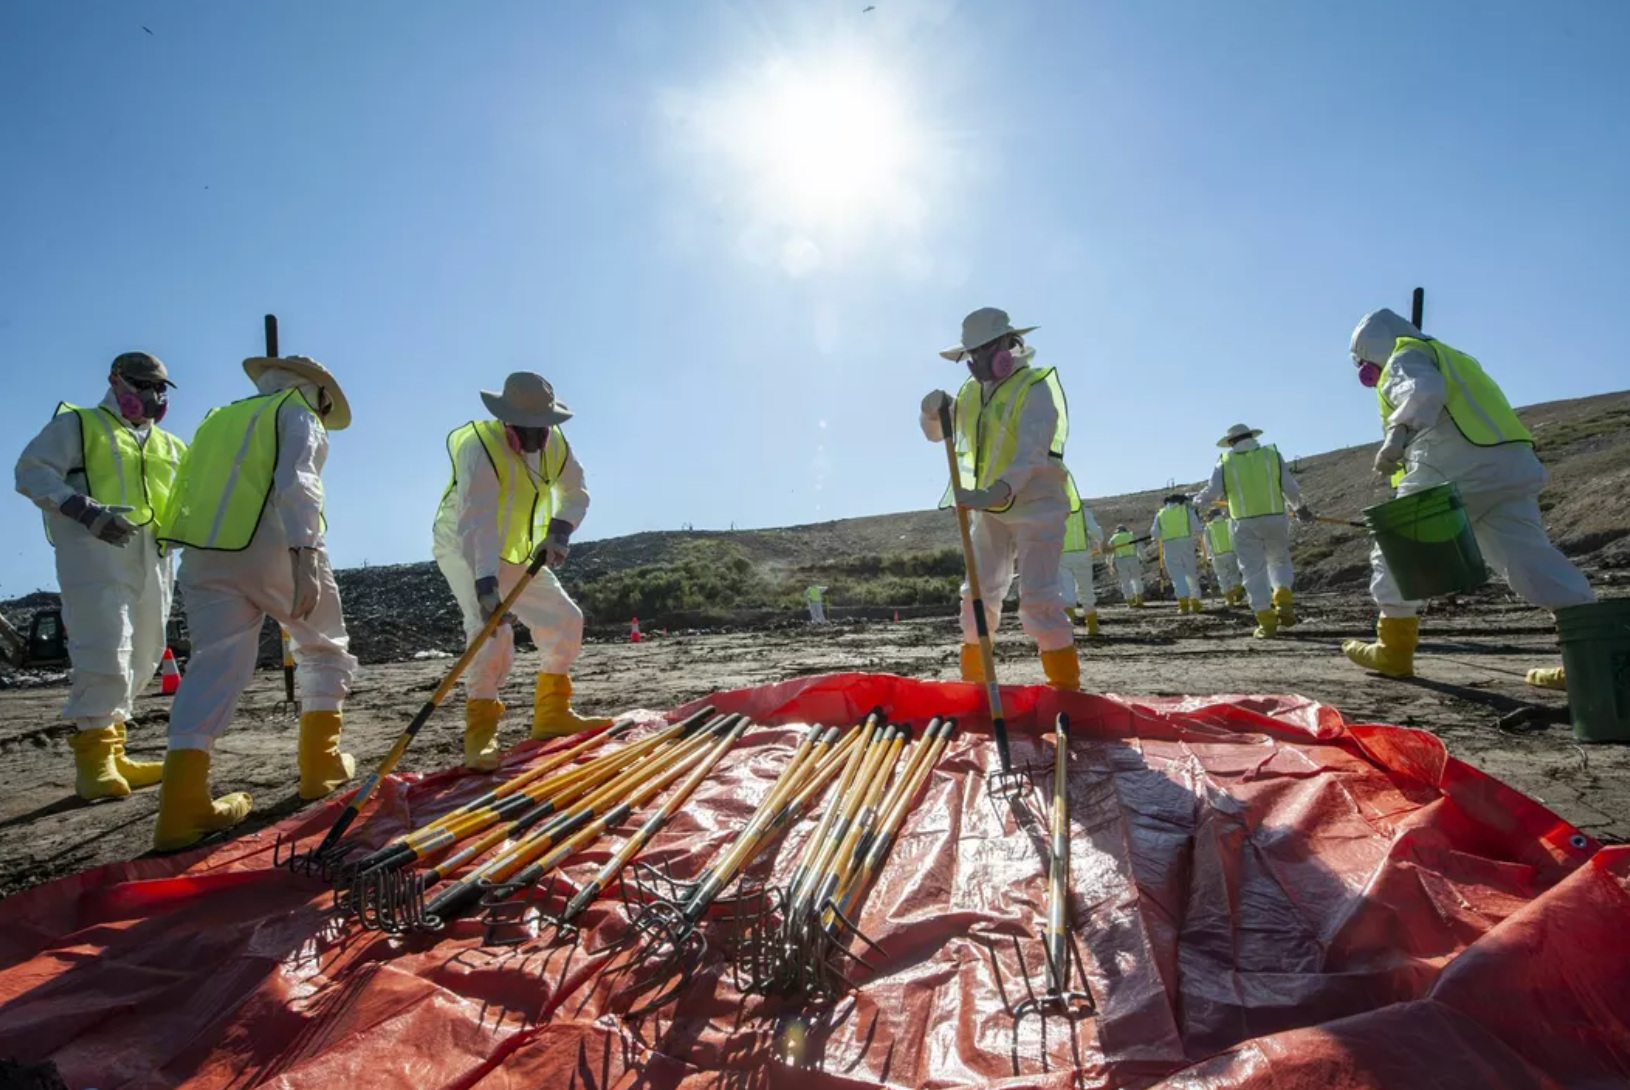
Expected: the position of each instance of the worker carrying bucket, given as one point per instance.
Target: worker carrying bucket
(1447, 422)
(1258, 486)
(103, 475)
(516, 485)
(1010, 422)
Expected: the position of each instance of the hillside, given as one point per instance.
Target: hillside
(910, 560)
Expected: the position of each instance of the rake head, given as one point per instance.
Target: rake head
(513, 913)
(386, 899)
(1013, 783)
(324, 865)
(1058, 995)
(668, 949)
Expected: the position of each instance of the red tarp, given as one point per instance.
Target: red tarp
(1264, 896)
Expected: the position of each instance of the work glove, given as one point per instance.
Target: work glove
(934, 402)
(983, 499)
(308, 583)
(1390, 458)
(105, 523)
(488, 598)
(1304, 514)
(557, 542)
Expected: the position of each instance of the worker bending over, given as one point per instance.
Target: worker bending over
(1083, 539)
(1446, 420)
(1257, 485)
(103, 476)
(1219, 545)
(1128, 566)
(516, 486)
(248, 508)
(1009, 426)
(1175, 527)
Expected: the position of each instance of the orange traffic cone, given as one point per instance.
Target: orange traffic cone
(634, 632)
(169, 675)
(897, 616)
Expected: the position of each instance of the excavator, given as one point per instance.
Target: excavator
(46, 642)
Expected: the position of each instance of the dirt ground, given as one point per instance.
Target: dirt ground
(1471, 663)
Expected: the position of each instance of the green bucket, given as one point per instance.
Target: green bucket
(1596, 650)
(1428, 543)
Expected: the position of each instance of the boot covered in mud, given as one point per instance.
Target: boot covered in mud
(1063, 668)
(552, 714)
(322, 766)
(481, 718)
(96, 776)
(1393, 652)
(186, 813)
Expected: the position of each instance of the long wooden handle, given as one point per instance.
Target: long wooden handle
(987, 654)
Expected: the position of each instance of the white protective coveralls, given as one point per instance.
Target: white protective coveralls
(1225, 566)
(1129, 571)
(1182, 563)
(1075, 567)
(1031, 531)
(229, 595)
(1499, 484)
(115, 601)
(1261, 544)
(465, 544)
(816, 599)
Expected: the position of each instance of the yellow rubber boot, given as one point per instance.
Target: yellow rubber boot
(136, 773)
(552, 714)
(186, 814)
(1267, 624)
(481, 718)
(322, 766)
(96, 776)
(1137, 601)
(1393, 652)
(1182, 605)
(1286, 607)
(1552, 677)
(1063, 668)
(1092, 623)
(973, 667)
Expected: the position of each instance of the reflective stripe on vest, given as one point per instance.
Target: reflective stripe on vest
(987, 431)
(1124, 544)
(122, 470)
(1219, 537)
(1475, 402)
(1174, 523)
(227, 473)
(1252, 478)
(525, 503)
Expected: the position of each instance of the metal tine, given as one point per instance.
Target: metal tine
(1056, 942)
(845, 908)
(679, 921)
(564, 922)
(679, 763)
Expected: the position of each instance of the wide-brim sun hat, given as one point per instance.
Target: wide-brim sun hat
(1238, 432)
(980, 328)
(339, 413)
(528, 401)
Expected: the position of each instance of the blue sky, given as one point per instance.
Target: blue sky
(734, 234)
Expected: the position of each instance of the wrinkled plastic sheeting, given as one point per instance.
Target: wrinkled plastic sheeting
(1263, 895)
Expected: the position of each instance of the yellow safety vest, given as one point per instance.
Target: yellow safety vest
(1475, 402)
(1219, 537)
(987, 432)
(1174, 523)
(814, 594)
(1124, 544)
(1252, 480)
(1077, 539)
(122, 470)
(227, 473)
(525, 503)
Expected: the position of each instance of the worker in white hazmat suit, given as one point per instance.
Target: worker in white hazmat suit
(815, 598)
(1259, 487)
(1083, 538)
(1127, 565)
(1175, 527)
(1009, 422)
(1219, 546)
(103, 476)
(1446, 420)
(516, 487)
(248, 509)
